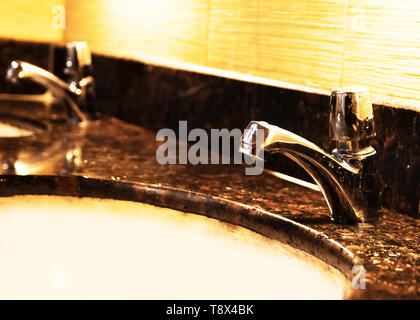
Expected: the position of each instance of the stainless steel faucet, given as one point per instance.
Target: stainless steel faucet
(77, 92)
(347, 177)
(78, 73)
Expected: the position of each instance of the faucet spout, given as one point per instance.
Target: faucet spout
(346, 178)
(19, 70)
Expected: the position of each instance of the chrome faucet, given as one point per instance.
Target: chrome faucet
(77, 92)
(347, 177)
(78, 73)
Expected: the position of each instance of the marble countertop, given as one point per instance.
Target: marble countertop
(112, 150)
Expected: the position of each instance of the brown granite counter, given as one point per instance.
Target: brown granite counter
(115, 151)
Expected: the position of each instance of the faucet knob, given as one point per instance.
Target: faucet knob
(78, 72)
(78, 60)
(351, 116)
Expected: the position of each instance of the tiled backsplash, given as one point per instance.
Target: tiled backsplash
(158, 97)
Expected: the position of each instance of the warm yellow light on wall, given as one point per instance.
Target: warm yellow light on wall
(165, 28)
(299, 44)
(305, 45)
(382, 48)
(33, 20)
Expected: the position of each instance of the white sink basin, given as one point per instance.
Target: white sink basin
(82, 248)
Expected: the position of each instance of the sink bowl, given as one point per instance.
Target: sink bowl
(66, 247)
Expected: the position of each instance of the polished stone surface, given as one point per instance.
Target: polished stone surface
(155, 97)
(121, 159)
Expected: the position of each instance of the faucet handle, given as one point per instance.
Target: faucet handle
(351, 116)
(351, 120)
(78, 72)
(78, 60)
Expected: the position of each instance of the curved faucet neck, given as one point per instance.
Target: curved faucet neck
(20, 70)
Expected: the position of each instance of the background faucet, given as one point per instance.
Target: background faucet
(78, 75)
(347, 177)
(77, 92)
